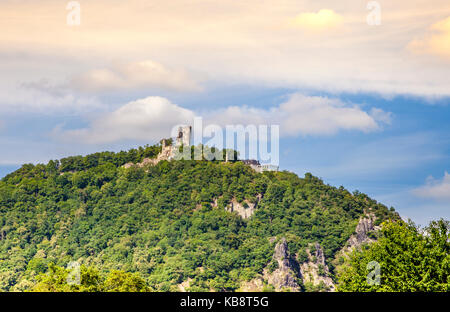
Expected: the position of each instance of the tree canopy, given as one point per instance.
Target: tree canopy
(166, 223)
(409, 259)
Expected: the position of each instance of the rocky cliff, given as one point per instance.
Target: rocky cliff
(287, 274)
(245, 210)
(363, 233)
(315, 272)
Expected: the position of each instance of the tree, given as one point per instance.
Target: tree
(119, 281)
(90, 280)
(409, 259)
(56, 280)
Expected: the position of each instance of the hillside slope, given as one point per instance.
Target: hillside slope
(179, 224)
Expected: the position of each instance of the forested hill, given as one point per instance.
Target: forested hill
(169, 223)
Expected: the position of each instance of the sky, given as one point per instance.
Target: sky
(360, 89)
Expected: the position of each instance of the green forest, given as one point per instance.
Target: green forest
(152, 228)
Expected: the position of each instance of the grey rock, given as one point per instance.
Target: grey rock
(287, 273)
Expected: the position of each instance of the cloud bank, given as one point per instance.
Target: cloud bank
(305, 115)
(148, 119)
(152, 118)
(233, 42)
(135, 76)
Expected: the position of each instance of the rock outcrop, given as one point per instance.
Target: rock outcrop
(315, 272)
(286, 275)
(167, 153)
(365, 226)
(255, 285)
(182, 287)
(244, 212)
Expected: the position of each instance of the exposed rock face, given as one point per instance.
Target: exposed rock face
(254, 285)
(287, 273)
(167, 151)
(244, 212)
(185, 285)
(365, 225)
(315, 272)
(165, 154)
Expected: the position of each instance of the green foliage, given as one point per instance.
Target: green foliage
(410, 259)
(162, 221)
(56, 280)
(90, 280)
(321, 287)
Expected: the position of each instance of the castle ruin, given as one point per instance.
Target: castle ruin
(256, 165)
(184, 136)
(183, 139)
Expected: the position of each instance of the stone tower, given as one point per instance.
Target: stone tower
(184, 136)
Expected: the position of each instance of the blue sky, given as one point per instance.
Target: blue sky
(362, 105)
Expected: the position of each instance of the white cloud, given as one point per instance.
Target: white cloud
(380, 115)
(44, 97)
(322, 115)
(152, 118)
(135, 76)
(44, 87)
(306, 115)
(438, 189)
(146, 119)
